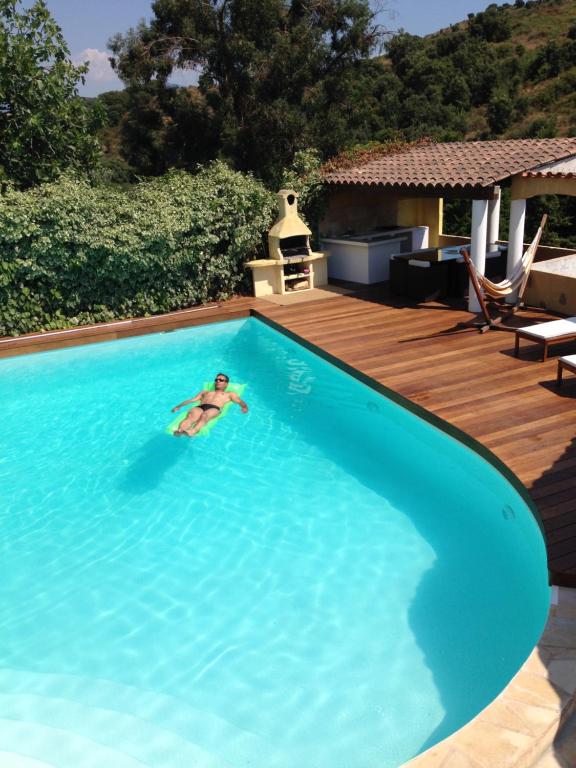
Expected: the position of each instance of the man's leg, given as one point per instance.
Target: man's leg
(202, 421)
(191, 418)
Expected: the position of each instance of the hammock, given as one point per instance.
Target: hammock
(516, 282)
(519, 276)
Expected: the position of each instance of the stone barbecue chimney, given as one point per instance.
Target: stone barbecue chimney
(289, 237)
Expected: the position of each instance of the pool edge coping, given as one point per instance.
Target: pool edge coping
(517, 727)
(45, 341)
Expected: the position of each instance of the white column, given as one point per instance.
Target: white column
(477, 246)
(493, 221)
(515, 238)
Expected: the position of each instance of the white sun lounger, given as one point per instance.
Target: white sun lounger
(568, 363)
(547, 333)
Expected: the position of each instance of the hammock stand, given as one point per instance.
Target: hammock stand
(498, 291)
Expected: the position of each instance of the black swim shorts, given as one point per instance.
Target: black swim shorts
(207, 406)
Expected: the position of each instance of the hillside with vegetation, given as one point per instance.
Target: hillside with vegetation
(507, 72)
(543, 37)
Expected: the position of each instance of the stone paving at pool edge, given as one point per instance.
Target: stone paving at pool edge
(521, 724)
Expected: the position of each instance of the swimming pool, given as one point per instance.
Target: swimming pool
(326, 582)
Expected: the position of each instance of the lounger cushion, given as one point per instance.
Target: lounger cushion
(569, 360)
(551, 330)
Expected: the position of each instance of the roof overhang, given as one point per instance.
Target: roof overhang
(469, 170)
(411, 190)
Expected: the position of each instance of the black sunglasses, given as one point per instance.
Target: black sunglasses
(220, 379)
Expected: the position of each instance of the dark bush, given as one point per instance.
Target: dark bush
(492, 25)
(500, 112)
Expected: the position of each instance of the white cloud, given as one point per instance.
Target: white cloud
(100, 72)
(101, 77)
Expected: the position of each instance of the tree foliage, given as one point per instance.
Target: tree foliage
(44, 126)
(492, 25)
(267, 68)
(167, 128)
(114, 104)
(500, 112)
(278, 76)
(551, 59)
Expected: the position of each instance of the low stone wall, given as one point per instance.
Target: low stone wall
(552, 285)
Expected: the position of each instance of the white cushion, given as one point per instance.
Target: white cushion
(569, 359)
(551, 330)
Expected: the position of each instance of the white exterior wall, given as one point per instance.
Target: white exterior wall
(493, 222)
(515, 238)
(478, 246)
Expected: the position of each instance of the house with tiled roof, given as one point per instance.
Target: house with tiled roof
(407, 189)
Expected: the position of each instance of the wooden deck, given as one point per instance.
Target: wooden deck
(471, 380)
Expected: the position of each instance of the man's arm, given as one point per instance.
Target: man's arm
(192, 400)
(235, 399)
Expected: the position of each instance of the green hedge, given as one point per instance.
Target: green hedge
(72, 254)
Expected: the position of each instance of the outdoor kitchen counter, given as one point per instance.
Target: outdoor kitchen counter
(365, 257)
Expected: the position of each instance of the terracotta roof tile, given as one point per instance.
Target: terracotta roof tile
(457, 165)
(550, 174)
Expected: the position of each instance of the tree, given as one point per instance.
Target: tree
(261, 64)
(434, 93)
(357, 107)
(500, 112)
(115, 104)
(45, 127)
(492, 25)
(167, 128)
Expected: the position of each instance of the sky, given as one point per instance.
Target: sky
(89, 24)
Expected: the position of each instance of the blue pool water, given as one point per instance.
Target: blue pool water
(325, 582)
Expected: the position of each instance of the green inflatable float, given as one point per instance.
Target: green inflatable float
(208, 385)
